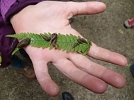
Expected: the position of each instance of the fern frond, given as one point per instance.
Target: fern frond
(64, 42)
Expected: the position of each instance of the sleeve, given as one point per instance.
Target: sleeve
(11, 7)
(7, 45)
(7, 9)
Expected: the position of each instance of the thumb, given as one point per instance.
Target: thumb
(85, 8)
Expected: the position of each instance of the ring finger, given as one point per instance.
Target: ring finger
(71, 71)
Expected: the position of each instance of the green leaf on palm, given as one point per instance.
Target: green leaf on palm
(64, 42)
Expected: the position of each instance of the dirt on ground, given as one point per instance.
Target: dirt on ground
(105, 30)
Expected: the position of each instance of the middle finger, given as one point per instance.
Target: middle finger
(97, 70)
(71, 71)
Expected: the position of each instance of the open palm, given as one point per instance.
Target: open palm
(53, 17)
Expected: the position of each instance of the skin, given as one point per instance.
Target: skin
(53, 17)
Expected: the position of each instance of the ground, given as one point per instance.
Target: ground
(105, 30)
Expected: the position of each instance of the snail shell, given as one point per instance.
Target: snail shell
(82, 40)
(24, 43)
(75, 44)
(45, 37)
(53, 38)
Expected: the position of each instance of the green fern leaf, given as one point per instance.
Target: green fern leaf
(68, 43)
(16, 49)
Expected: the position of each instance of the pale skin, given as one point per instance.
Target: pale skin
(53, 17)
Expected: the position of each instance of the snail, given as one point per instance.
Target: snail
(75, 44)
(51, 39)
(45, 37)
(79, 41)
(24, 43)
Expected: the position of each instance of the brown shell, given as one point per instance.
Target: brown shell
(82, 40)
(75, 44)
(24, 43)
(53, 38)
(45, 37)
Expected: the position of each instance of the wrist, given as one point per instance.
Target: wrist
(18, 6)
(20, 17)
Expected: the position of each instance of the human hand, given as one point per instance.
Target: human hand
(53, 17)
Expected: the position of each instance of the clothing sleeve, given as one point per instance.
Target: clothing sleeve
(11, 7)
(7, 9)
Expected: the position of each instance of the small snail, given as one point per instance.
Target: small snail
(24, 43)
(75, 44)
(45, 37)
(79, 41)
(82, 40)
(51, 39)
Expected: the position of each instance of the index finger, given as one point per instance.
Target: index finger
(106, 55)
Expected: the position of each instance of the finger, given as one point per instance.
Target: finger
(80, 8)
(44, 78)
(88, 81)
(97, 70)
(106, 55)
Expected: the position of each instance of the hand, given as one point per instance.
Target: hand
(51, 16)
